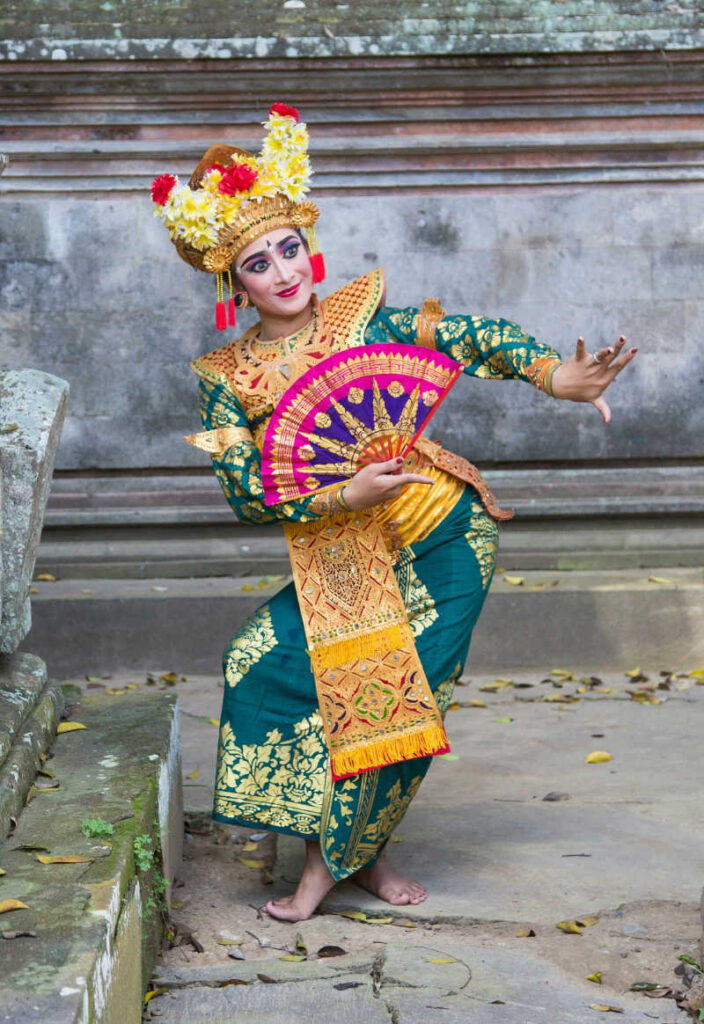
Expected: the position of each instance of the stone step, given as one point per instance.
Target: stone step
(97, 924)
(606, 619)
(29, 713)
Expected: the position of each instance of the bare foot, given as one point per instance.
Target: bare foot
(385, 882)
(316, 882)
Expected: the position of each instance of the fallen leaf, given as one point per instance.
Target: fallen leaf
(554, 796)
(10, 428)
(154, 993)
(45, 858)
(634, 672)
(43, 784)
(447, 757)
(515, 581)
(133, 686)
(93, 679)
(442, 960)
(267, 980)
(87, 590)
(454, 705)
(46, 577)
(2, 872)
(640, 697)
(354, 915)
(196, 775)
(646, 986)
(113, 691)
(159, 590)
(658, 579)
(569, 927)
(70, 727)
(7, 905)
(595, 977)
(587, 922)
(248, 863)
(327, 951)
(379, 920)
(597, 757)
(169, 677)
(525, 933)
(34, 590)
(605, 1008)
(559, 698)
(403, 922)
(497, 686)
(474, 704)
(295, 958)
(236, 954)
(561, 673)
(605, 689)
(395, 839)
(232, 981)
(697, 673)
(249, 846)
(502, 720)
(214, 721)
(229, 942)
(301, 946)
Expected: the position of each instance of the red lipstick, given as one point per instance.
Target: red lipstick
(288, 292)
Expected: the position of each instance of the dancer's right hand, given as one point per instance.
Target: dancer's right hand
(379, 481)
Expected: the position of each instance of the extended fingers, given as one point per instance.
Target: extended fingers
(619, 364)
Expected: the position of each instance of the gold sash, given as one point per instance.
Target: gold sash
(375, 701)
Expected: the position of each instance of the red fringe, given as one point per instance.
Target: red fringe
(318, 264)
(231, 312)
(220, 316)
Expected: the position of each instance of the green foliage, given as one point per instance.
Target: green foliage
(96, 828)
(143, 852)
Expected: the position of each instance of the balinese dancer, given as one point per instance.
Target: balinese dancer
(305, 746)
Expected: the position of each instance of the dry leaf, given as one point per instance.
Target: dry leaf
(46, 858)
(597, 757)
(70, 727)
(447, 757)
(605, 1008)
(301, 946)
(395, 839)
(2, 871)
(46, 577)
(634, 672)
(34, 590)
(252, 863)
(153, 994)
(442, 960)
(587, 922)
(503, 720)
(267, 980)
(249, 847)
(214, 721)
(113, 692)
(658, 579)
(295, 958)
(196, 775)
(697, 673)
(229, 942)
(474, 704)
(515, 581)
(169, 677)
(497, 686)
(379, 920)
(133, 686)
(7, 905)
(554, 796)
(454, 705)
(326, 951)
(569, 927)
(595, 977)
(561, 673)
(87, 590)
(354, 915)
(525, 933)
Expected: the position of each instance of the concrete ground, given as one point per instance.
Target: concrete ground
(622, 846)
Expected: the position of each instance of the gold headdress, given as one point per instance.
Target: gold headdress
(233, 197)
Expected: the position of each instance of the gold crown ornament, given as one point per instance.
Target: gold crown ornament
(232, 198)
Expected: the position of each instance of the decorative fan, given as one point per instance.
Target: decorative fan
(365, 404)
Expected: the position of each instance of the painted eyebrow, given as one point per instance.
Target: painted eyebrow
(279, 245)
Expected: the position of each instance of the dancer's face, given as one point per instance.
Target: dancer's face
(276, 272)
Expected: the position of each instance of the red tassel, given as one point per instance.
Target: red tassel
(318, 264)
(220, 316)
(231, 312)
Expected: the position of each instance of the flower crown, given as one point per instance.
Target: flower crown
(225, 206)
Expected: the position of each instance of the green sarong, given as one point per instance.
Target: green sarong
(273, 767)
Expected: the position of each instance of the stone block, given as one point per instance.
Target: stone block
(32, 407)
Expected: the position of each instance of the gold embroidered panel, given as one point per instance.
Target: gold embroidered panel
(256, 638)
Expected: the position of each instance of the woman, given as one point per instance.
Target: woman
(241, 218)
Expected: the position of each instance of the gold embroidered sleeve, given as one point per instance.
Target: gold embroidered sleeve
(237, 461)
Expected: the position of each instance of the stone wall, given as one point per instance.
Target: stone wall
(537, 161)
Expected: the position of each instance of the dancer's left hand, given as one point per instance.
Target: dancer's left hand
(585, 377)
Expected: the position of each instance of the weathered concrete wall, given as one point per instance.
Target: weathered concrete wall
(96, 292)
(325, 28)
(32, 407)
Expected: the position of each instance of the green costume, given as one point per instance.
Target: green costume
(273, 767)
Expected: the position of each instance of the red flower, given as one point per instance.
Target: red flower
(283, 111)
(161, 188)
(216, 167)
(237, 178)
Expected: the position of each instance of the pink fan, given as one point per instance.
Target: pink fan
(366, 404)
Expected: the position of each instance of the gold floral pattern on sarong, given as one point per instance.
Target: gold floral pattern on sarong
(443, 694)
(483, 539)
(420, 606)
(279, 782)
(254, 640)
